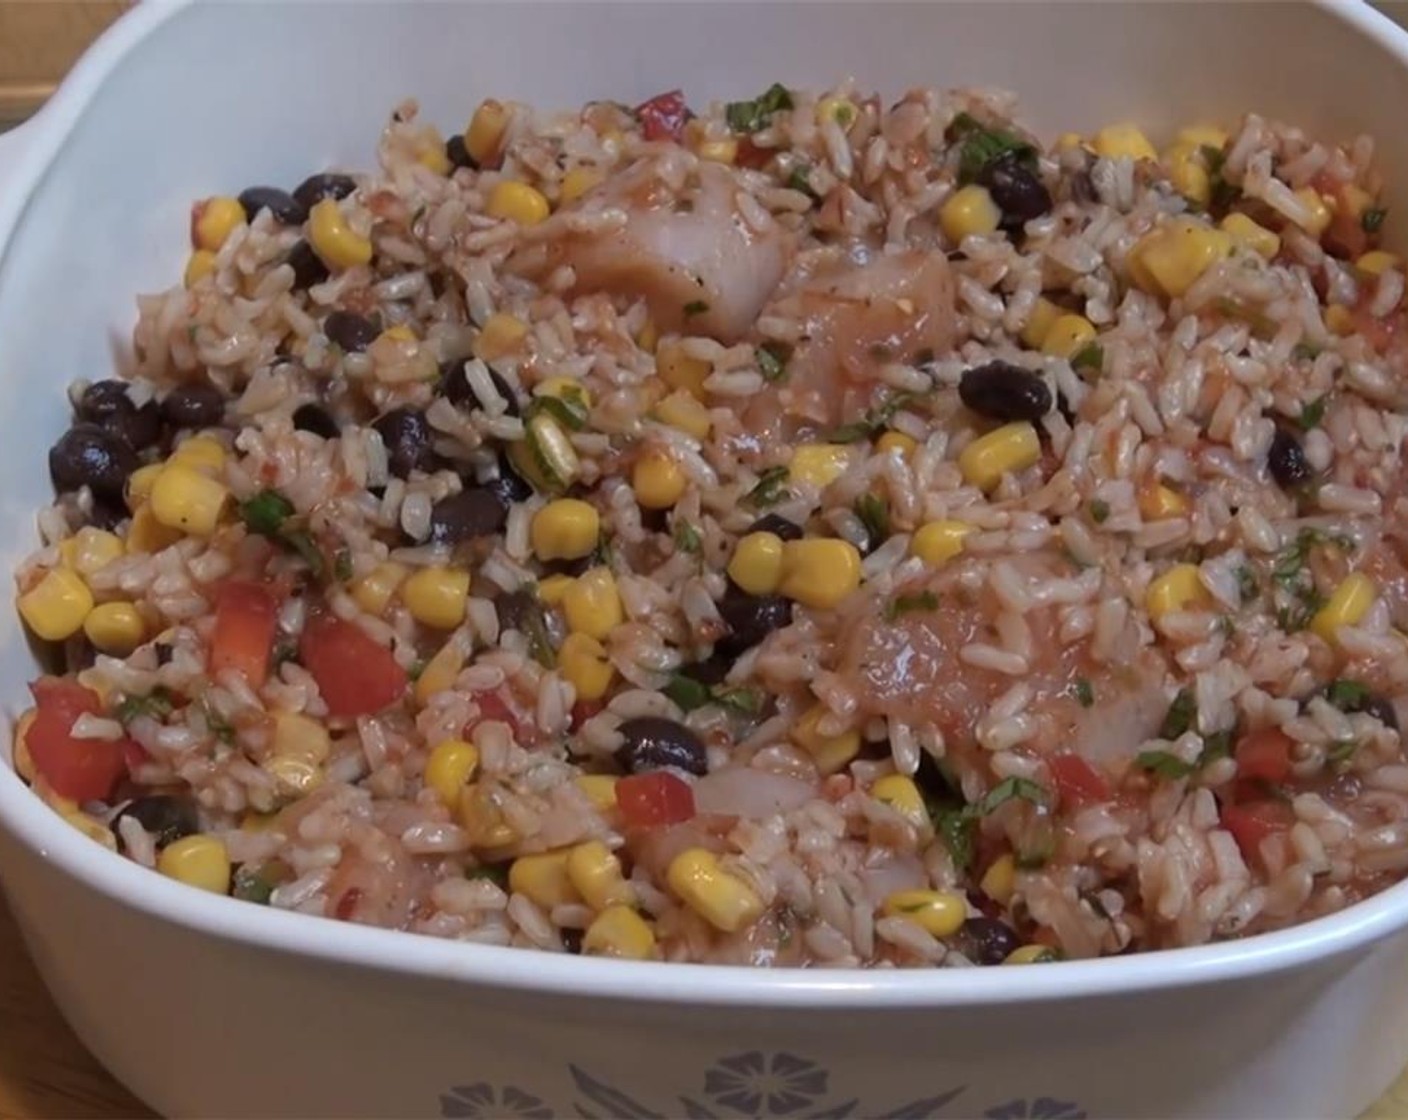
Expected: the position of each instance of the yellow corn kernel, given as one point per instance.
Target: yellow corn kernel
(838, 109)
(1008, 449)
(1123, 140)
(199, 265)
(198, 861)
(214, 220)
(293, 774)
(89, 826)
(201, 453)
(969, 211)
(595, 872)
(565, 529)
(818, 464)
(1355, 200)
(449, 768)
(718, 151)
(335, 242)
(437, 596)
(618, 931)
(819, 573)
(1251, 235)
(1039, 323)
(649, 337)
(398, 333)
(1203, 136)
(1188, 174)
(578, 182)
(140, 483)
(1067, 336)
(513, 201)
(756, 565)
(1068, 140)
(552, 588)
(500, 335)
(543, 878)
(482, 818)
(937, 542)
(1159, 502)
(1347, 606)
(1178, 589)
(584, 663)
(439, 673)
(115, 628)
(432, 154)
(681, 410)
(679, 371)
(183, 498)
(485, 132)
(831, 753)
(55, 607)
(723, 900)
(600, 790)
(942, 913)
(1376, 262)
(902, 795)
(1032, 954)
(20, 758)
(147, 534)
(896, 441)
(657, 479)
(1339, 319)
(592, 605)
(1176, 256)
(374, 590)
(298, 736)
(90, 550)
(564, 388)
(1318, 213)
(1000, 880)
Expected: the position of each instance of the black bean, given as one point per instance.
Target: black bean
(325, 184)
(653, 742)
(778, 526)
(571, 938)
(407, 438)
(1001, 391)
(308, 267)
(458, 154)
(107, 514)
(710, 672)
(167, 818)
(1287, 462)
(87, 455)
(285, 208)
(474, 512)
(987, 940)
(509, 485)
(165, 651)
(107, 404)
(455, 387)
(316, 419)
(352, 332)
(201, 405)
(515, 609)
(1016, 189)
(750, 619)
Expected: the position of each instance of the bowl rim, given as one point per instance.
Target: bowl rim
(38, 828)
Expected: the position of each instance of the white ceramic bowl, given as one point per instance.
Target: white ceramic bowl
(206, 1006)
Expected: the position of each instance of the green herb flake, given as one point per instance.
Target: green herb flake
(1215, 746)
(687, 538)
(568, 408)
(695, 307)
(156, 704)
(1347, 695)
(800, 180)
(905, 604)
(416, 669)
(1341, 751)
(1305, 351)
(875, 516)
(875, 419)
(957, 829)
(981, 145)
(1247, 586)
(534, 625)
(1181, 715)
(219, 726)
(1164, 764)
(772, 360)
(1313, 413)
(1085, 693)
(266, 512)
(496, 873)
(752, 116)
(1099, 511)
(740, 700)
(1009, 789)
(257, 884)
(342, 565)
(1372, 220)
(1091, 357)
(770, 490)
(299, 541)
(686, 692)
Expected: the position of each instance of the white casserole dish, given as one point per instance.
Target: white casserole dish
(205, 1006)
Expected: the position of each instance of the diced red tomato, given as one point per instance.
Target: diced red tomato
(663, 117)
(1252, 822)
(246, 616)
(134, 754)
(1078, 783)
(356, 675)
(653, 800)
(1346, 236)
(81, 769)
(583, 710)
(1264, 754)
(751, 156)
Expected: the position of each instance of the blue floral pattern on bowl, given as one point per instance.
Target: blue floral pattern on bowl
(753, 1083)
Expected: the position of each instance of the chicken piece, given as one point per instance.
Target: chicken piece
(700, 267)
(856, 316)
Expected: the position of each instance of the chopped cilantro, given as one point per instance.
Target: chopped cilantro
(1010, 788)
(1372, 219)
(1099, 510)
(744, 701)
(416, 669)
(1091, 356)
(1215, 746)
(1247, 586)
(695, 307)
(687, 538)
(266, 512)
(800, 180)
(1305, 351)
(874, 515)
(1181, 715)
(772, 359)
(1222, 194)
(219, 726)
(690, 694)
(301, 542)
(956, 827)
(342, 565)
(875, 419)
(1313, 413)
(686, 692)
(770, 490)
(1164, 764)
(156, 703)
(1341, 751)
(496, 873)
(751, 116)
(903, 604)
(1347, 695)
(981, 145)
(1085, 692)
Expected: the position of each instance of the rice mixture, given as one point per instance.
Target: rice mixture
(802, 533)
